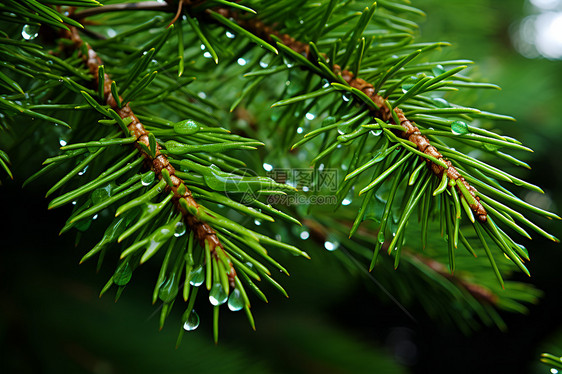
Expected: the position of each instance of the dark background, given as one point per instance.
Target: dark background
(51, 319)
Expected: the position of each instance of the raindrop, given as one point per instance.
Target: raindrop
(331, 246)
(310, 116)
(409, 83)
(554, 371)
(217, 296)
(346, 97)
(267, 167)
(230, 35)
(300, 130)
(207, 55)
(192, 321)
(111, 33)
(376, 132)
(62, 142)
(257, 222)
(74, 202)
(242, 62)
(263, 64)
(441, 103)
(147, 179)
(235, 300)
(325, 83)
(438, 70)
(95, 217)
(163, 234)
(180, 229)
(101, 194)
(202, 47)
(380, 236)
(81, 172)
(29, 32)
(186, 127)
(459, 128)
(197, 276)
(305, 235)
(288, 63)
(202, 95)
(305, 188)
(346, 201)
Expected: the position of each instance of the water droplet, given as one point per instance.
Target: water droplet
(263, 64)
(74, 202)
(186, 127)
(197, 276)
(163, 234)
(192, 321)
(180, 229)
(101, 194)
(346, 97)
(62, 142)
(459, 128)
(95, 217)
(300, 130)
(553, 371)
(267, 167)
(325, 83)
(380, 236)
(147, 179)
(305, 188)
(207, 55)
(29, 32)
(331, 245)
(376, 132)
(305, 235)
(81, 172)
(438, 70)
(310, 116)
(202, 47)
(257, 222)
(230, 35)
(123, 274)
(111, 33)
(235, 300)
(409, 83)
(242, 62)
(202, 95)
(441, 103)
(217, 296)
(492, 147)
(346, 201)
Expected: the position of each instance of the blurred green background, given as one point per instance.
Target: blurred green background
(51, 320)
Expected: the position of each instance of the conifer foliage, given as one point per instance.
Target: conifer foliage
(153, 94)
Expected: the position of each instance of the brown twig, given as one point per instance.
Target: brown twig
(411, 131)
(183, 199)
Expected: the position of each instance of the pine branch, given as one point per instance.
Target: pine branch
(183, 198)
